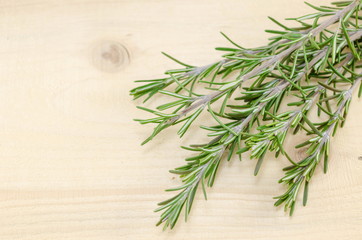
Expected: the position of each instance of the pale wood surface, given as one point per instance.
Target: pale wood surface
(71, 163)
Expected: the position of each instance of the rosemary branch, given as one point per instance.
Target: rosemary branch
(314, 62)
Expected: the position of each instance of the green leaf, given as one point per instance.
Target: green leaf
(280, 24)
(319, 8)
(189, 121)
(178, 61)
(221, 123)
(232, 42)
(337, 73)
(311, 125)
(172, 94)
(229, 85)
(258, 164)
(349, 42)
(305, 195)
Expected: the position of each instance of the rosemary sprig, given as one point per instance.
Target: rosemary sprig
(318, 147)
(314, 62)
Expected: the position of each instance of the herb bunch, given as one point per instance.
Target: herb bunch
(311, 69)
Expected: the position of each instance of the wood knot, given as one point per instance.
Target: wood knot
(110, 56)
(300, 154)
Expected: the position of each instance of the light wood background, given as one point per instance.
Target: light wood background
(71, 164)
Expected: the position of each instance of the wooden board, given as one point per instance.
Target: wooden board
(71, 162)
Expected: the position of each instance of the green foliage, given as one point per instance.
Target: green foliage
(316, 65)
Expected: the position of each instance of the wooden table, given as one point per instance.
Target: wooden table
(71, 162)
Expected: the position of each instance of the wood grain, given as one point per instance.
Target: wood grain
(71, 163)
